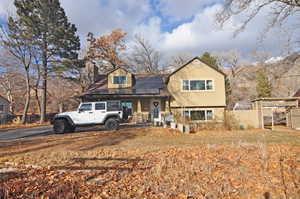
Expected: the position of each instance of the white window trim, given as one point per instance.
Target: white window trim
(119, 76)
(206, 120)
(191, 91)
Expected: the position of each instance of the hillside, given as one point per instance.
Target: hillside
(284, 75)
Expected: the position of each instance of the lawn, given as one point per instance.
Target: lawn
(154, 163)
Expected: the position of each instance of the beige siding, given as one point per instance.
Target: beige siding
(247, 118)
(120, 72)
(197, 71)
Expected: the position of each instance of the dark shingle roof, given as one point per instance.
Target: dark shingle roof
(143, 84)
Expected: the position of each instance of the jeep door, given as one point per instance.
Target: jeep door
(99, 113)
(85, 114)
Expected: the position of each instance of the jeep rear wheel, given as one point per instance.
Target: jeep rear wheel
(112, 124)
(61, 126)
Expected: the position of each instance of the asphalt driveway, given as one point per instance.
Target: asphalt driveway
(46, 131)
(22, 133)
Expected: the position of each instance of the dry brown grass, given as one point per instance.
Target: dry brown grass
(158, 163)
(128, 143)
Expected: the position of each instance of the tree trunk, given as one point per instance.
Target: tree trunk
(61, 107)
(44, 84)
(44, 96)
(10, 98)
(27, 101)
(38, 100)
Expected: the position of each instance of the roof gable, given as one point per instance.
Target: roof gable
(189, 62)
(118, 68)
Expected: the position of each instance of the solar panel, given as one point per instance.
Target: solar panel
(149, 83)
(143, 86)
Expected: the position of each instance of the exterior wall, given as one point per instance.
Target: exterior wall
(119, 72)
(247, 118)
(197, 71)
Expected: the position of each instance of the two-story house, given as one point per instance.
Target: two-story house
(195, 90)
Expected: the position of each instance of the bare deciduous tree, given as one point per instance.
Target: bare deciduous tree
(20, 46)
(180, 59)
(279, 11)
(144, 58)
(229, 59)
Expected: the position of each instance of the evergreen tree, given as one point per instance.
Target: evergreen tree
(212, 61)
(263, 87)
(209, 59)
(53, 36)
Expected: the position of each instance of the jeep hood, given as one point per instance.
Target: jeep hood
(66, 113)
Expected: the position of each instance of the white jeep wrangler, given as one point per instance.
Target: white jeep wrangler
(107, 113)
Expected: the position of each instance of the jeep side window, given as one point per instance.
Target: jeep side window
(100, 106)
(85, 107)
(113, 106)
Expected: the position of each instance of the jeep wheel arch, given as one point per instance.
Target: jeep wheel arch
(63, 125)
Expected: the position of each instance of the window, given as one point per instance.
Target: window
(113, 106)
(209, 85)
(197, 85)
(99, 106)
(85, 107)
(186, 85)
(2, 108)
(209, 115)
(119, 79)
(199, 115)
(186, 114)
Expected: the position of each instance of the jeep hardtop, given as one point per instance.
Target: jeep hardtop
(108, 113)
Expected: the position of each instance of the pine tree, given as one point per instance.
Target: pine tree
(263, 87)
(54, 37)
(209, 59)
(212, 61)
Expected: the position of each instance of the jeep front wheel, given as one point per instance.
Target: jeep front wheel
(60, 126)
(111, 124)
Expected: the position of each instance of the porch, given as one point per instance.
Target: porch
(138, 109)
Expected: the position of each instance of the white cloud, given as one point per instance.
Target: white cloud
(202, 35)
(182, 9)
(6, 6)
(196, 36)
(102, 17)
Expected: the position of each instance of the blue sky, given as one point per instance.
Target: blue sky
(172, 26)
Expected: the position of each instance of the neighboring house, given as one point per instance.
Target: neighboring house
(4, 110)
(196, 90)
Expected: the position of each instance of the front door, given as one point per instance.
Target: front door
(156, 110)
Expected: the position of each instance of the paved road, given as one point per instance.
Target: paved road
(16, 134)
(46, 131)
